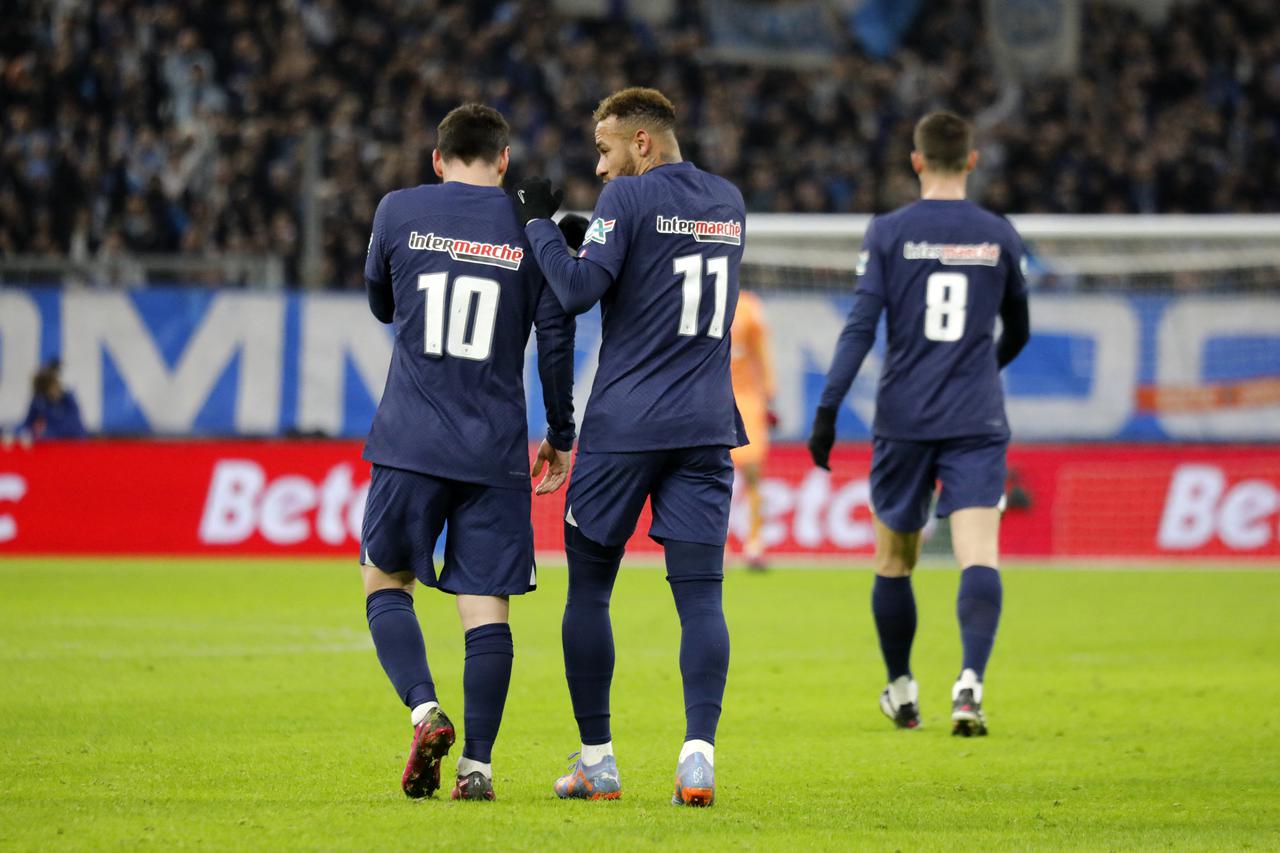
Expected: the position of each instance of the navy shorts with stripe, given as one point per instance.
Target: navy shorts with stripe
(689, 489)
(904, 475)
(488, 548)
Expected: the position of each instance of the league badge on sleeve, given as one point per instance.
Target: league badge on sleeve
(863, 257)
(598, 231)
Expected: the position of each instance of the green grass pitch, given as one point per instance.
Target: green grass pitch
(238, 704)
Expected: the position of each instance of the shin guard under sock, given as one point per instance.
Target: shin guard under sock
(397, 637)
(978, 605)
(587, 634)
(893, 604)
(696, 574)
(485, 679)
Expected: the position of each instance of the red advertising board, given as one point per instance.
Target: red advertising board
(307, 497)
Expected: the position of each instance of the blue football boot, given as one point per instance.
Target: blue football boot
(695, 782)
(597, 781)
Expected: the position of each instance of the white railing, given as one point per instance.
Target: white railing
(126, 270)
(1065, 245)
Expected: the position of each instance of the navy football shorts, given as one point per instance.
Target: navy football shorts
(904, 475)
(689, 490)
(488, 549)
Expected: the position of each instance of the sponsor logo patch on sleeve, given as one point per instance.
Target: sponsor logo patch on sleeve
(598, 231)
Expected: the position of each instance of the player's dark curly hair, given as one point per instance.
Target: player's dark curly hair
(638, 104)
(945, 140)
(472, 131)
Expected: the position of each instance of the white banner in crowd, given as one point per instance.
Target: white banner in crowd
(1034, 38)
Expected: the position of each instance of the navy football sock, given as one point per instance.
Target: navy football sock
(587, 634)
(696, 574)
(894, 606)
(978, 609)
(485, 680)
(397, 636)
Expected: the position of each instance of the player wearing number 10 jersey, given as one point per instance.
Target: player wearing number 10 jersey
(450, 266)
(942, 269)
(661, 256)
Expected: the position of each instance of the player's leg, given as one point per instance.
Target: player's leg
(749, 462)
(488, 558)
(901, 488)
(586, 634)
(603, 503)
(972, 473)
(975, 534)
(404, 513)
(397, 636)
(486, 677)
(695, 572)
(691, 520)
(753, 548)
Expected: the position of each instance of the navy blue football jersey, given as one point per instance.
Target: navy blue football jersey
(466, 292)
(671, 239)
(942, 271)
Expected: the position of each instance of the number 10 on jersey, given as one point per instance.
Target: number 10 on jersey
(473, 309)
(690, 266)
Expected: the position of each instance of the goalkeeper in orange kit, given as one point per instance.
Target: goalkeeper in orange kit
(753, 387)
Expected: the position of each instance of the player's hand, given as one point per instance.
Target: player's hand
(534, 199)
(822, 437)
(574, 228)
(557, 462)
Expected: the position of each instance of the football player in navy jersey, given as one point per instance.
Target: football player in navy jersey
(942, 269)
(661, 256)
(450, 267)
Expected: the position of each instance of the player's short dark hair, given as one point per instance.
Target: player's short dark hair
(471, 132)
(638, 104)
(944, 140)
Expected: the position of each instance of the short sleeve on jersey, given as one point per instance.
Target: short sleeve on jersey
(377, 268)
(609, 233)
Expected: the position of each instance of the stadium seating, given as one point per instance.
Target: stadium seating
(139, 127)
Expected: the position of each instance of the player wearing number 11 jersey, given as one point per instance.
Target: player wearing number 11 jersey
(449, 266)
(942, 269)
(661, 256)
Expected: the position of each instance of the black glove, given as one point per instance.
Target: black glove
(822, 437)
(574, 228)
(534, 199)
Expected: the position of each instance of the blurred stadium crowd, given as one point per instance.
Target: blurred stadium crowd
(156, 125)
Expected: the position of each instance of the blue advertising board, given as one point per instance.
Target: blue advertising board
(217, 362)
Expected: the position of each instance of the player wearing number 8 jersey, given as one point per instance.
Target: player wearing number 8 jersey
(449, 266)
(942, 269)
(661, 256)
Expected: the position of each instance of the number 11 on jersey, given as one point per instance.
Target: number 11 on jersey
(690, 266)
